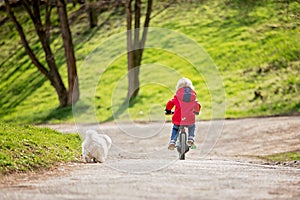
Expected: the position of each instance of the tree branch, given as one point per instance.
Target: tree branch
(26, 4)
(146, 24)
(163, 9)
(28, 50)
(47, 18)
(137, 16)
(129, 25)
(36, 12)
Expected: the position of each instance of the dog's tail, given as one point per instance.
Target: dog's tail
(108, 140)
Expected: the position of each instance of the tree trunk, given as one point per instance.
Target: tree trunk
(130, 55)
(73, 92)
(135, 45)
(91, 10)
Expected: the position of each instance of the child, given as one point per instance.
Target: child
(186, 107)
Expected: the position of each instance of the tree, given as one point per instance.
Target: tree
(135, 43)
(66, 97)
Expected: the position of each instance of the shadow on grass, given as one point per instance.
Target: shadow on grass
(127, 103)
(244, 9)
(59, 114)
(16, 92)
(88, 33)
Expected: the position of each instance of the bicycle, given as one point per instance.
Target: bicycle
(182, 145)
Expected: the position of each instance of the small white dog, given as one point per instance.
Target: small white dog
(95, 146)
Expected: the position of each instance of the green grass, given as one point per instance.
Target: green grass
(283, 157)
(254, 46)
(27, 148)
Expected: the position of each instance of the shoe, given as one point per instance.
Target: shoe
(171, 145)
(190, 141)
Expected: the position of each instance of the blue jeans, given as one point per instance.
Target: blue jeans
(175, 131)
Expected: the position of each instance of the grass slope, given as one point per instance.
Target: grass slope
(28, 148)
(255, 47)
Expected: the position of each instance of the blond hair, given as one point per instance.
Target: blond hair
(184, 82)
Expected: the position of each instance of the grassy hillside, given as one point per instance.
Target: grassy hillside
(255, 47)
(25, 148)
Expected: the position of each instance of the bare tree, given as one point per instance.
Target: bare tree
(65, 96)
(135, 42)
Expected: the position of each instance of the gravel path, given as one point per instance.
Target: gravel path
(139, 166)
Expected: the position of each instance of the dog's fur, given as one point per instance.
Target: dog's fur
(95, 146)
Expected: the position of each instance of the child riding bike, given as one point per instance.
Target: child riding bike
(186, 107)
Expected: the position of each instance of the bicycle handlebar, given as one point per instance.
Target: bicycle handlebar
(171, 112)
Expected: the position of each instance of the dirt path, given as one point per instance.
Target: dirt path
(140, 167)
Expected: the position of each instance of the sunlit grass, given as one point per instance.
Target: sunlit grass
(28, 148)
(255, 47)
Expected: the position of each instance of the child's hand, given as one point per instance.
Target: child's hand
(168, 112)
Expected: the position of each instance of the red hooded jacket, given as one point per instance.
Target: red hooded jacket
(186, 106)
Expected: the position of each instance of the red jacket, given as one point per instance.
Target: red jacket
(186, 106)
